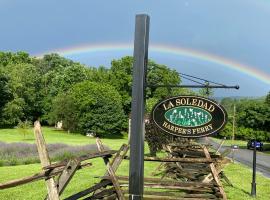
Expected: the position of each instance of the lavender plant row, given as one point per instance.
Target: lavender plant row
(23, 153)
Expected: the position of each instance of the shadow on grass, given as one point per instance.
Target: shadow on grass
(28, 139)
(241, 189)
(103, 136)
(111, 136)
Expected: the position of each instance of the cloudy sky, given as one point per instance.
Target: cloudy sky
(222, 41)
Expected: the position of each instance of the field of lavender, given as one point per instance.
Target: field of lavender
(20, 153)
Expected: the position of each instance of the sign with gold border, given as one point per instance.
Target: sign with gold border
(189, 116)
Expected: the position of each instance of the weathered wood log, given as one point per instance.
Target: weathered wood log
(102, 194)
(165, 181)
(173, 194)
(164, 186)
(182, 160)
(45, 161)
(67, 174)
(110, 171)
(149, 197)
(89, 190)
(215, 174)
(82, 158)
(36, 177)
(118, 158)
(183, 195)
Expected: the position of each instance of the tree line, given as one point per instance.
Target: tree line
(97, 99)
(251, 118)
(84, 98)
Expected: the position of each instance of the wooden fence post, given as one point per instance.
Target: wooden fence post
(45, 161)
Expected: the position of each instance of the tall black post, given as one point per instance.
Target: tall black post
(253, 184)
(136, 165)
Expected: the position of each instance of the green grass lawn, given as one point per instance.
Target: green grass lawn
(57, 136)
(239, 175)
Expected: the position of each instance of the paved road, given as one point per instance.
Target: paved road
(245, 157)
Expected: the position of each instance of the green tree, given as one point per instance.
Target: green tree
(255, 115)
(13, 112)
(23, 127)
(64, 109)
(96, 107)
(267, 99)
(121, 79)
(24, 85)
(52, 62)
(5, 92)
(20, 57)
(206, 92)
(56, 82)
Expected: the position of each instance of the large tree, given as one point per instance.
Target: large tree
(25, 99)
(92, 106)
(121, 79)
(267, 99)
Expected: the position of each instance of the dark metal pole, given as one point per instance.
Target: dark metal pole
(253, 184)
(136, 165)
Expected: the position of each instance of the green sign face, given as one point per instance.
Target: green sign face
(189, 116)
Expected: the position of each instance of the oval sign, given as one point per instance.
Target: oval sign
(189, 116)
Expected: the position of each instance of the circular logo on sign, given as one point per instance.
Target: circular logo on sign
(189, 116)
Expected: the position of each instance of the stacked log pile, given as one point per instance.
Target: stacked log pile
(191, 171)
(196, 171)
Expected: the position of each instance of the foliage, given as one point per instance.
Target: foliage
(206, 92)
(13, 112)
(256, 116)
(155, 138)
(94, 107)
(23, 127)
(25, 100)
(14, 58)
(150, 103)
(52, 62)
(161, 75)
(121, 79)
(267, 99)
(64, 109)
(5, 92)
(32, 88)
(252, 119)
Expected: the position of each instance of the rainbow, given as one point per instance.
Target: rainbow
(164, 49)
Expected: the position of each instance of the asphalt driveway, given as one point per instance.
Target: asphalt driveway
(245, 156)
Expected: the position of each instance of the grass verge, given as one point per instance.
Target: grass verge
(239, 175)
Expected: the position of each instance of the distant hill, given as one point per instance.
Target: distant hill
(240, 97)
